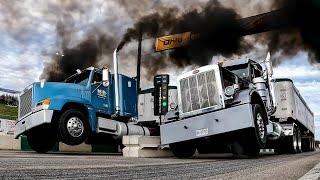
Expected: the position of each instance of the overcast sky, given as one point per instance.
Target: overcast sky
(28, 31)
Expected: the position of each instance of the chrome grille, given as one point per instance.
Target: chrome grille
(25, 103)
(199, 91)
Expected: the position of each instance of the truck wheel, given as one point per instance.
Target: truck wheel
(203, 148)
(299, 144)
(73, 127)
(292, 142)
(183, 149)
(309, 144)
(256, 138)
(312, 144)
(41, 139)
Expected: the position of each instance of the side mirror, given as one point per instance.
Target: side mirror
(105, 77)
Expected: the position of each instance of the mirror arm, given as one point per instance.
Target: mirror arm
(96, 87)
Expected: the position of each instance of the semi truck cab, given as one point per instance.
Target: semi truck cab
(92, 101)
(225, 104)
(238, 107)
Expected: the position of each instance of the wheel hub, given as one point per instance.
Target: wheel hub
(261, 127)
(75, 127)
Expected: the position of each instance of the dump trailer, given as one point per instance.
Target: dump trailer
(88, 104)
(294, 116)
(238, 107)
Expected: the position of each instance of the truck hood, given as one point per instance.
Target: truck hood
(57, 90)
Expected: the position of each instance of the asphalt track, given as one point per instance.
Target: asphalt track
(29, 165)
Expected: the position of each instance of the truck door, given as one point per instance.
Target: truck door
(100, 94)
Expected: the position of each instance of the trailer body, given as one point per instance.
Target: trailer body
(146, 104)
(291, 106)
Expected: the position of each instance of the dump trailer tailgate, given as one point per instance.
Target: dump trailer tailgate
(225, 120)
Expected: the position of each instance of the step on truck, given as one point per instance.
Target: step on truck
(238, 107)
(90, 105)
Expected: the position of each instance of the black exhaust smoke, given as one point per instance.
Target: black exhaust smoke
(87, 53)
(292, 29)
(217, 25)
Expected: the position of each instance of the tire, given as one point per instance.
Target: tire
(73, 127)
(256, 137)
(299, 143)
(292, 143)
(42, 139)
(305, 144)
(312, 144)
(183, 149)
(203, 148)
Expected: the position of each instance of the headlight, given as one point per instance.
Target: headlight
(229, 91)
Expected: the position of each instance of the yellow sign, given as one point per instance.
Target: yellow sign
(172, 41)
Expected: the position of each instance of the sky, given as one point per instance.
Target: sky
(29, 39)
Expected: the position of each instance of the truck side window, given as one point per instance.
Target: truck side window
(256, 71)
(97, 77)
(228, 78)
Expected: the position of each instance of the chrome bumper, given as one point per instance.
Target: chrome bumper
(222, 121)
(35, 119)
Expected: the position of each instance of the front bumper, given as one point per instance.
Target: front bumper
(217, 122)
(33, 120)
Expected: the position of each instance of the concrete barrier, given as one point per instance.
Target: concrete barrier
(144, 146)
(7, 126)
(78, 148)
(7, 142)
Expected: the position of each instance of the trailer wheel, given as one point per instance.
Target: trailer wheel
(299, 144)
(256, 137)
(292, 142)
(312, 144)
(183, 149)
(309, 144)
(41, 139)
(73, 127)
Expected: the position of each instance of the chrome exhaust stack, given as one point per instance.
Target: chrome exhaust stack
(116, 81)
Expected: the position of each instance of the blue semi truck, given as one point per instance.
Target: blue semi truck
(92, 101)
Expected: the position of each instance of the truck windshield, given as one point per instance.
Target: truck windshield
(241, 70)
(81, 79)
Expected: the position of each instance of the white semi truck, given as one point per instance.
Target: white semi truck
(238, 107)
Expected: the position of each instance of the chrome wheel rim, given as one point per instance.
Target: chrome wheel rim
(75, 127)
(261, 127)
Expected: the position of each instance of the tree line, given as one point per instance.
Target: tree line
(9, 100)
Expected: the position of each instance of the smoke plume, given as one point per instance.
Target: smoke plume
(301, 33)
(217, 25)
(220, 26)
(291, 29)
